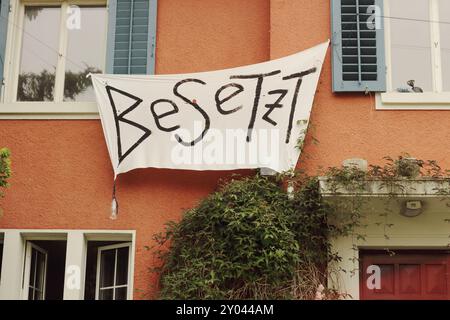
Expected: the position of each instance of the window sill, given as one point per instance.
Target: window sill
(413, 101)
(49, 110)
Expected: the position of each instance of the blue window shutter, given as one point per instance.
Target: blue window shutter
(4, 13)
(358, 56)
(131, 37)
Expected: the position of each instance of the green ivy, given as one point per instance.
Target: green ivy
(252, 240)
(5, 168)
(245, 241)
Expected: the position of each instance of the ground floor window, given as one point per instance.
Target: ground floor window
(44, 270)
(68, 264)
(108, 270)
(1, 255)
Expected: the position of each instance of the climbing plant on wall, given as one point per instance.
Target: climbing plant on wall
(252, 240)
(5, 170)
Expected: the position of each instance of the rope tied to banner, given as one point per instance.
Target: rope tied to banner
(114, 203)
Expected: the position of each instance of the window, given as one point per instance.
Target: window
(67, 264)
(44, 268)
(112, 272)
(35, 274)
(55, 58)
(417, 54)
(49, 47)
(410, 43)
(108, 270)
(1, 255)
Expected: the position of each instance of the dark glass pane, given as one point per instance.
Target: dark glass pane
(121, 293)
(32, 267)
(122, 266)
(40, 270)
(107, 262)
(30, 294)
(38, 295)
(1, 259)
(106, 294)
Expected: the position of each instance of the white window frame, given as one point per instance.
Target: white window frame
(114, 286)
(1, 256)
(10, 108)
(11, 286)
(27, 269)
(436, 100)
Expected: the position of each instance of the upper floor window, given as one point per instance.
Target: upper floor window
(417, 54)
(48, 47)
(419, 45)
(400, 48)
(60, 46)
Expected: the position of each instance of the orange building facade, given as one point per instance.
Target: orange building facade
(62, 176)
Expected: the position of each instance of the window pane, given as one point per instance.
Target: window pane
(40, 271)
(85, 53)
(1, 259)
(30, 294)
(38, 295)
(39, 54)
(121, 293)
(122, 266)
(33, 267)
(410, 44)
(444, 11)
(107, 268)
(106, 294)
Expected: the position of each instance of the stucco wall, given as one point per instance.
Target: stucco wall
(62, 174)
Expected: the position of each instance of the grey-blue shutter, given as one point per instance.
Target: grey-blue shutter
(131, 37)
(358, 55)
(4, 12)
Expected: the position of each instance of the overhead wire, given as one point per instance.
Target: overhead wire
(22, 29)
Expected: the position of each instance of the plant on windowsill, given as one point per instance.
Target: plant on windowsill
(408, 167)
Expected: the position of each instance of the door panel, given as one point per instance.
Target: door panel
(406, 275)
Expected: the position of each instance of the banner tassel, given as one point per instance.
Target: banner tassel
(114, 204)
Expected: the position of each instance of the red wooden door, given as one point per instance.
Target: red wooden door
(406, 275)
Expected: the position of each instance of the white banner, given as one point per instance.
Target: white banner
(246, 117)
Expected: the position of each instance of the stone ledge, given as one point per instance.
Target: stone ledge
(421, 187)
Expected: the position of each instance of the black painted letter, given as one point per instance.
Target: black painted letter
(197, 107)
(299, 76)
(219, 101)
(158, 117)
(260, 78)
